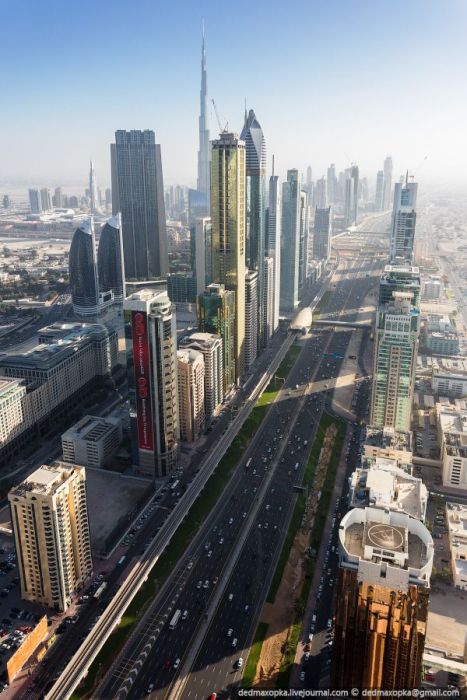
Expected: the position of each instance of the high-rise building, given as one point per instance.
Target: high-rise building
(108, 197)
(51, 529)
(46, 199)
(83, 270)
(151, 335)
(204, 152)
(216, 314)
(379, 190)
(321, 198)
(255, 149)
(351, 196)
(404, 218)
(6, 202)
(35, 202)
(181, 288)
(138, 193)
(58, 198)
(93, 194)
(190, 365)
(387, 188)
(251, 317)
(386, 560)
(400, 278)
(304, 236)
(396, 346)
(331, 181)
(268, 298)
(202, 230)
(273, 242)
(322, 234)
(210, 346)
(228, 178)
(110, 259)
(290, 241)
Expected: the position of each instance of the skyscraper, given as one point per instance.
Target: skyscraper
(83, 270)
(210, 346)
(379, 190)
(138, 193)
(46, 200)
(321, 198)
(216, 314)
(331, 181)
(404, 218)
(202, 231)
(255, 147)
(35, 202)
(251, 317)
(51, 529)
(268, 298)
(322, 234)
(190, 368)
(151, 346)
(290, 241)
(110, 259)
(351, 196)
(396, 346)
(93, 195)
(304, 235)
(228, 178)
(204, 152)
(386, 559)
(273, 242)
(387, 189)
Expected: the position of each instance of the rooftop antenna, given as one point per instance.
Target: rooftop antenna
(273, 165)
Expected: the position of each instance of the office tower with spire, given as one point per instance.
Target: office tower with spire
(322, 234)
(138, 193)
(379, 190)
(273, 242)
(82, 263)
(151, 348)
(396, 347)
(387, 186)
(251, 317)
(404, 218)
(216, 315)
(110, 263)
(290, 241)
(204, 151)
(255, 148)
(93, 194)
(228, 180)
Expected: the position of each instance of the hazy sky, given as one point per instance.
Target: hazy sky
(330, 81)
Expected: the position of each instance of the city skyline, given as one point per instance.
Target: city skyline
(176, 85)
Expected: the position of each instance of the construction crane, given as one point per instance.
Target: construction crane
(221, 129)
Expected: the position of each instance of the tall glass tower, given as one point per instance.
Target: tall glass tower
(110, 259)
(83, 270)
(138, 193)
(204, 152)
(255, 145)
(404, 218)
(228, 229)
(290, 241)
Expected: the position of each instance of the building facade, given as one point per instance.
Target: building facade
(387, 188)
(216, 314)
(204, 152)
(92, 441)
(404, 218)
(322, 234)
(202, 230)
(268, 298)
(138, 193)
(110, 263)
(273, 243)
(210, 346)
(228, 216)
(251, 317)
(151, 339)
(52, 538)
(84, 282)
(190, 367)
(290, 241)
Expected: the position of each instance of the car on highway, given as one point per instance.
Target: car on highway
(176, 663)
(150, 689)
(230, 597)
(239, 663)
(229, 632)
(234, 642)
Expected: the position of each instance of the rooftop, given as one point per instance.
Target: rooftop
(45, 480)
(91, 428)
(388, 438)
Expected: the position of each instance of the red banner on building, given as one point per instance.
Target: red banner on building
(139, 329)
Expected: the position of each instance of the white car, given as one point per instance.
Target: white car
(176, 663)
(229, 632)
(230, 597)
(234, 642)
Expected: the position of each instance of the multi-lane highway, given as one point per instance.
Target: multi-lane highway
(226, 572)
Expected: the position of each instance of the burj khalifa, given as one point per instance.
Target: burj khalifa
(204, 152)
